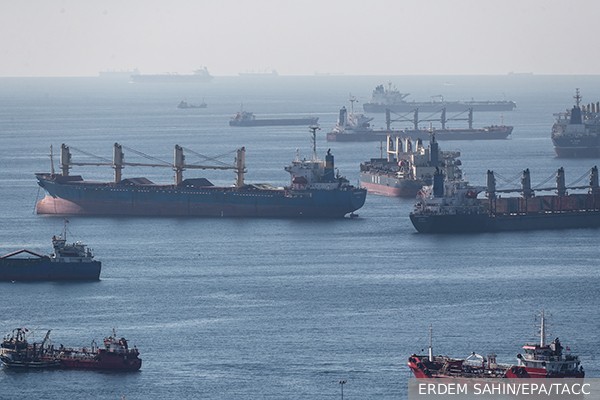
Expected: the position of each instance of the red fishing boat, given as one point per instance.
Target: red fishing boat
(540, 360)
(115, 355)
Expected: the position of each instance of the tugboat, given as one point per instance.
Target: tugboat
(17, 352)
(576, 133)
(116, 355)
(68, 262)
(541, 360)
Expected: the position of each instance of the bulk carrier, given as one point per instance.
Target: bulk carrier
(391, 99)
(541, 360)
(576, 132)
(454, 206)
(407, 167)
(315, 191)
(353, 127)
(245, 118)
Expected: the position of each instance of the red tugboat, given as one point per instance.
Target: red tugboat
(17, 352)
(541, 360)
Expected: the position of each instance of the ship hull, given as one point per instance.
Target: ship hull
(470, 223)
(276, 122)
(103, 362)
(168, 200)
(577, 147)
(43, 269)
(438, 106)
(390, 186)
(490, 133)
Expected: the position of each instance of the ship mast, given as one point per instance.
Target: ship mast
(430, 349)
(313, 129)
(542, 330)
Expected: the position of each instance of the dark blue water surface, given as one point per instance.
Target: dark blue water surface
(283, 309)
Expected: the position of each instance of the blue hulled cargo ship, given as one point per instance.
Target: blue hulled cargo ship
(315, 191)
(68, 262)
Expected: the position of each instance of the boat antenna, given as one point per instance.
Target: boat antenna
(313, 129)
(430, 343)
(542, 330)
(352, 101)
(65, 229)
(51, 161)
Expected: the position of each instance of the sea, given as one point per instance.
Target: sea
(241, 308)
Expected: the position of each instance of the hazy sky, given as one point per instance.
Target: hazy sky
(78, 37)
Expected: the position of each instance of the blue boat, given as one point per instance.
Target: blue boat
(315, 191)
(68, 262)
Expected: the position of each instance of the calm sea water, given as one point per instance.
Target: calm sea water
(283, 309)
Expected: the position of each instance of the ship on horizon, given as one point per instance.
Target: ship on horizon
(315, 191)
(541, 360)
(407, 167)
(246, 118)
(391, 99)
(200, 75)
(450, 206)
(576, 132)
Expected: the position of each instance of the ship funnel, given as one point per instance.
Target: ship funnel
(575, 116)
(561, 188)
(438, 183)
(65, 159)
(491, 184)
(328, 175)
(342, 119)
(526, 184)
(240, 170)
(118, 158)
(434, 152)
(178, 164)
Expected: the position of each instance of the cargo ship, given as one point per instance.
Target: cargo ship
(576, 132)
(540, 360)
(391, 99)
(455, 206)
(115, 354)
(245, 118)
(407, 167)
(361, 131)
(200, 75)
(354, 127)
(184, 105)
(315, 191)
(68, 262)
